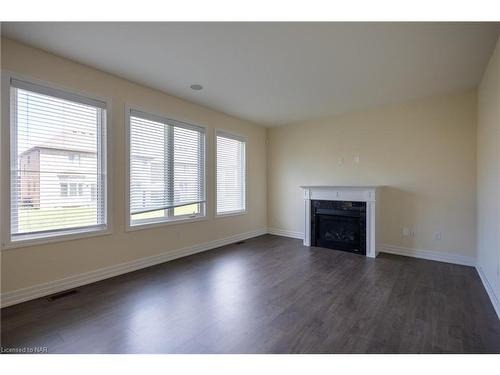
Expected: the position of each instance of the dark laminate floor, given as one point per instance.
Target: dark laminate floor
(268, 295)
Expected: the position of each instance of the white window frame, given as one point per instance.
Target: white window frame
(184, 219)
(241, 138)
(5, 167)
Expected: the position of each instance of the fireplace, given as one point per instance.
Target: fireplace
(342, 217)
(339, 225)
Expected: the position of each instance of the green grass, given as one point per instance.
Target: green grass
(186, 210)
(35, 219)
(178, 211)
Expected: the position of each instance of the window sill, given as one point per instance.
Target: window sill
(132, 228)
(229, 214)
(69, 236)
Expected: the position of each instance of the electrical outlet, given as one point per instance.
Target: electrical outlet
(406, 232)
(438, 236)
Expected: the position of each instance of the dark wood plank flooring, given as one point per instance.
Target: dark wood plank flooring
(267, 295)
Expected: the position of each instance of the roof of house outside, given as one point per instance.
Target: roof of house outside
(69, 140)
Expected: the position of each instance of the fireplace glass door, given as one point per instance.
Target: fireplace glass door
(339, 225)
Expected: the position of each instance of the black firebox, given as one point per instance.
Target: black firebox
(339, 225)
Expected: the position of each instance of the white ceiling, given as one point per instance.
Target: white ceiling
(278, 73)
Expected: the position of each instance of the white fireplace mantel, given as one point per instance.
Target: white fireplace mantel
(368, 194)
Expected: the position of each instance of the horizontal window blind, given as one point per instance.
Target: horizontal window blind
(167, 169)
(230, 173)
(57, 162)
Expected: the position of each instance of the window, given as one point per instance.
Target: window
(72, 189)
(74, 158)
(167, 170)
(231, 172)
(64, 190)
(93, 192)
(55, 124)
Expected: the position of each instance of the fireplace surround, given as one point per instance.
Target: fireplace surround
(354, 206)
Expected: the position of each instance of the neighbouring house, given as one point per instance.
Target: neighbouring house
(60, 172)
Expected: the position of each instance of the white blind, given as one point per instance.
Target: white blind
(167, 168)
(230, 173)
(57, 162)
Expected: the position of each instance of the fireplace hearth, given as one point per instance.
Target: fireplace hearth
(339, 225)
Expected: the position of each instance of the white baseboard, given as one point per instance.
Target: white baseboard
(41, 290)
(493, 297)
(428, 254)
(286, 233)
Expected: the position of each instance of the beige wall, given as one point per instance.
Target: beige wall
(488, 174)
(423, 151)
(27, 266)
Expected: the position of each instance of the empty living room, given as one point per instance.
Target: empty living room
(250, 188)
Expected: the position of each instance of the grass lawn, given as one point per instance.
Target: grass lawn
(178, 211)
(34, 219)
